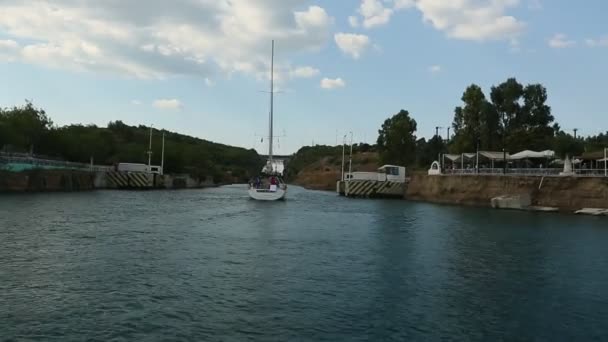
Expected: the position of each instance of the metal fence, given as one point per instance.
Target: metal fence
(21, 162)
(525, 172)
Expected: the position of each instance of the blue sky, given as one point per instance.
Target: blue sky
(199, 66)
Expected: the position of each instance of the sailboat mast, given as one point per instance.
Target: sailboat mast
(271, 133)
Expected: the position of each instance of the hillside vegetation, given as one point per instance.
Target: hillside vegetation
(319, 167)
(29, 129)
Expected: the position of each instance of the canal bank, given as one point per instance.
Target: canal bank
(46, 181)
(41, 180)
(563, 193)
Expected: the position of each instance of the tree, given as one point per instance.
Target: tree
(428, 151)
(565, 144)
(534, 127)
(474, 123)
(597, 142)
(24, 127)
(506, 99)
(397, 139)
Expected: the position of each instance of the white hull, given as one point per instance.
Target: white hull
(265, 195)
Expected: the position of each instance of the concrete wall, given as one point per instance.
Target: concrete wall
(186, 182)
(566, 193)
(370, 189)
(67, 180)
(46, 180)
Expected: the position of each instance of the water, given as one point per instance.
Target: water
(212, 265)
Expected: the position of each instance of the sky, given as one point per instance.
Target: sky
(201, 67)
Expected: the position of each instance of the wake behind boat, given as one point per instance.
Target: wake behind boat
(269, 186)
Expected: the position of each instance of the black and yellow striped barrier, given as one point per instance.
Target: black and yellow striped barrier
(130, 180)
(371, 189)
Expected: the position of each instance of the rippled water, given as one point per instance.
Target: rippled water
(212, 265)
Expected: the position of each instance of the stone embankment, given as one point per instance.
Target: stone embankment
(46, 181)
(564, 193)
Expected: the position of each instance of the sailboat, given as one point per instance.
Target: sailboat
(269, 185)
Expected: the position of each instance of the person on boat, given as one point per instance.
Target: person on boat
(273, 183)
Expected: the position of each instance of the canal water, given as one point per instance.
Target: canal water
(212, 265)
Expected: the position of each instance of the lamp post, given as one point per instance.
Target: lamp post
(477, 158)
(350, 161)
(504, 160)
(343, 148)
(150, 149)
(162, 158)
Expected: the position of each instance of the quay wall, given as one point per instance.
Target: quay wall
(565, 193)
(46, 181)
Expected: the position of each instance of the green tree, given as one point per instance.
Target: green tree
(24, 127)
(534, 127)
(596, 143)
(428, 151)
(565, 144)
(506, 98)
(474, 123)
(397, 139)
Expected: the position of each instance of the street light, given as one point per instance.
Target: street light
(350, 161)
(343, 147)
(477, 158)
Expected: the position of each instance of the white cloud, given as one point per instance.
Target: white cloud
(600, 42)
(434, 69)
(328, 83)
(475, 20)
(304, 72)
(402, 4)
(168, 104)
(378, 12)
(203, 38)
(461, 19)
(374, 13)
(472, 20)
(8, 44)
(8, 50)
(314, 17)
(561, 41)
(352, 44)
(135, 102)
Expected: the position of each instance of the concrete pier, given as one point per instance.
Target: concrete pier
(370, 189)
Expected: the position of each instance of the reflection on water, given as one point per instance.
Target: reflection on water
(214, 265)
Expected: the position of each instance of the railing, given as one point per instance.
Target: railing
(20, 162)
(590, 172)
(525, 172)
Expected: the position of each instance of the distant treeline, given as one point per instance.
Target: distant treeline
(29, 129)
(514, 118)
